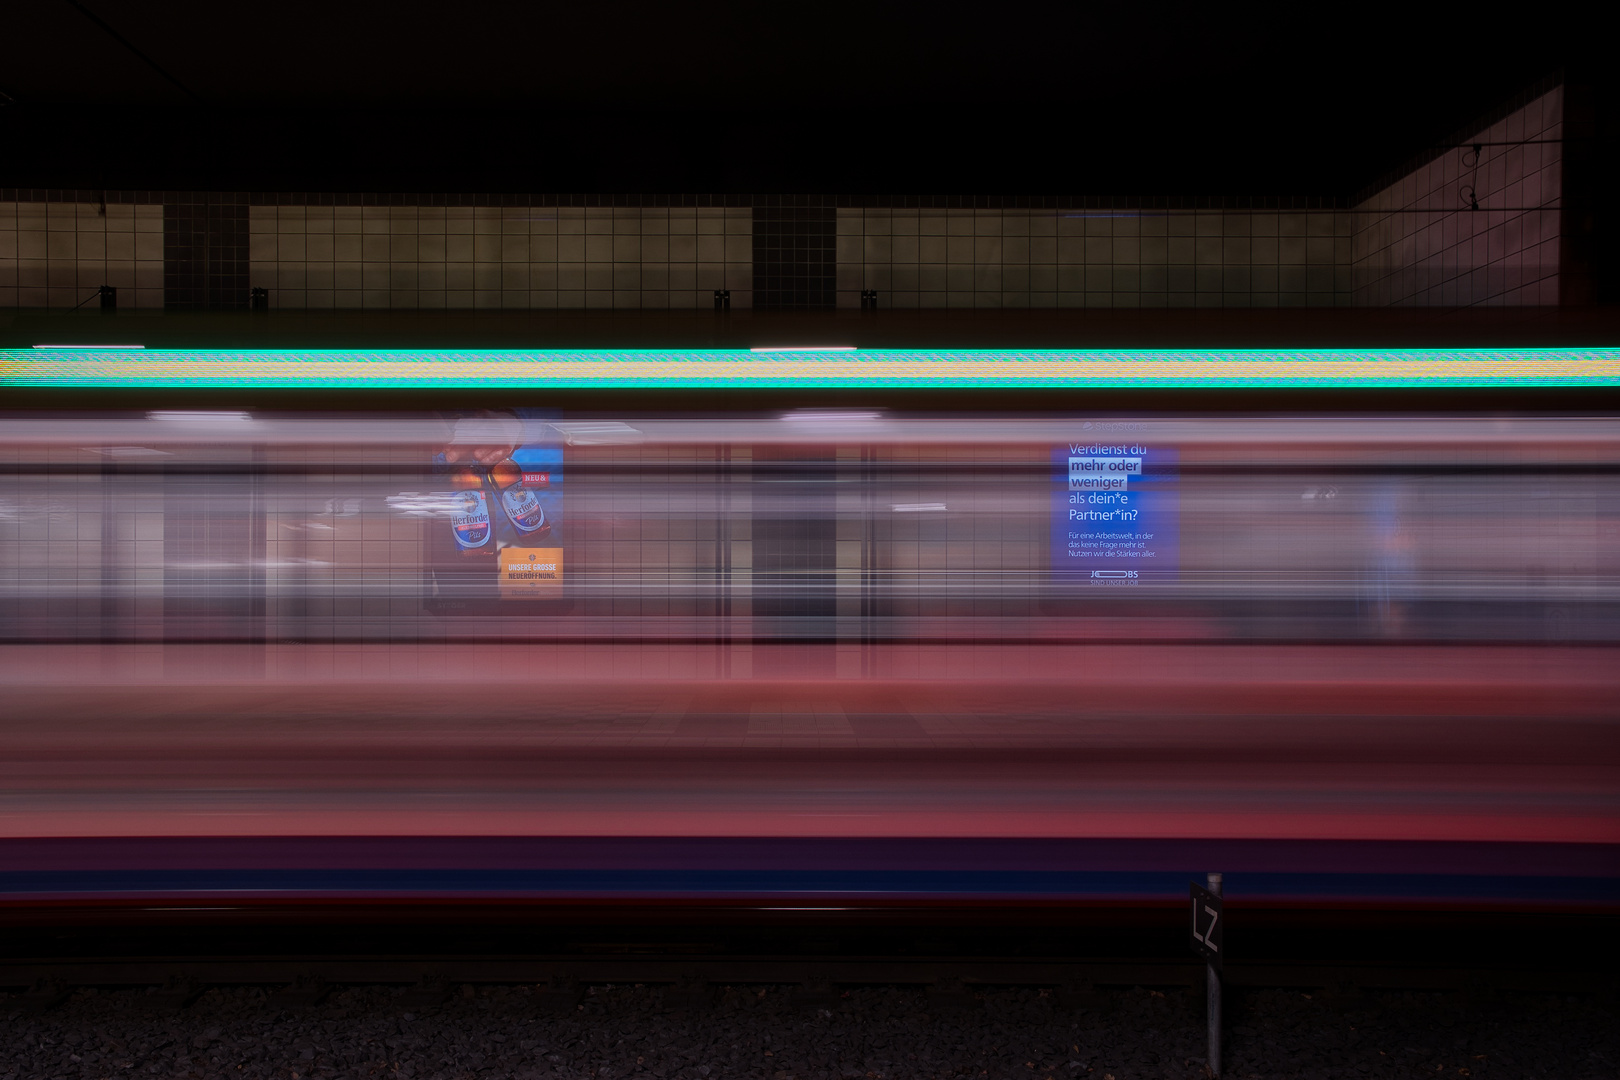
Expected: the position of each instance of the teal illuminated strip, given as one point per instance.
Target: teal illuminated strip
(740, 368)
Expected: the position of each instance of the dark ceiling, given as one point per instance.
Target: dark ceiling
(1120, 99)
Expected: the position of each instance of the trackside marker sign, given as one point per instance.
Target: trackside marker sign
(1208, 926)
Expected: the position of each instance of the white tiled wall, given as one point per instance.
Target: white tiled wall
(56, 255)
(500, 257)
(1092, 258)
(1417, 242)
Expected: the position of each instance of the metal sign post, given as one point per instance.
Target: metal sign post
(1206, 935)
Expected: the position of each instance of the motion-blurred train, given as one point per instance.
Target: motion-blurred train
(1062, 647)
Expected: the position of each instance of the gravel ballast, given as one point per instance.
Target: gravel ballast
(871, 1033)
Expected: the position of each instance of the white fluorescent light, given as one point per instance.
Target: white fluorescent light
(831, 418)
(127, 451)
(916, 508)
(597, 433)
(193, 417)
(113, 347)
(802, 348)
(487, 431)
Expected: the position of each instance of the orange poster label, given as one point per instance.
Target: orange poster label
(531, 573)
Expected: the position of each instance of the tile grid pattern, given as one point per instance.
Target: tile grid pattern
(1419, 242)
(500, 257)
(56, 254)
(205, 250)
(990, 257)
(795, 253)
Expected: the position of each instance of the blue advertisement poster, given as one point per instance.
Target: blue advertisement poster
(1115, 512)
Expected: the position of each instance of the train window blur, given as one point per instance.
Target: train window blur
(855, 533)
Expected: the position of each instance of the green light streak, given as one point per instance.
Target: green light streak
(743, 369)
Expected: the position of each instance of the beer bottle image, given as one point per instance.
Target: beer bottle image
(518, 500)
(470, 521)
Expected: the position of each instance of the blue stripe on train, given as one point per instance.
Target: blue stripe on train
(821, 885)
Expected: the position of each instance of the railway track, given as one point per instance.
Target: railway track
(42, 982)
(1073, 955)
(1068, 995)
